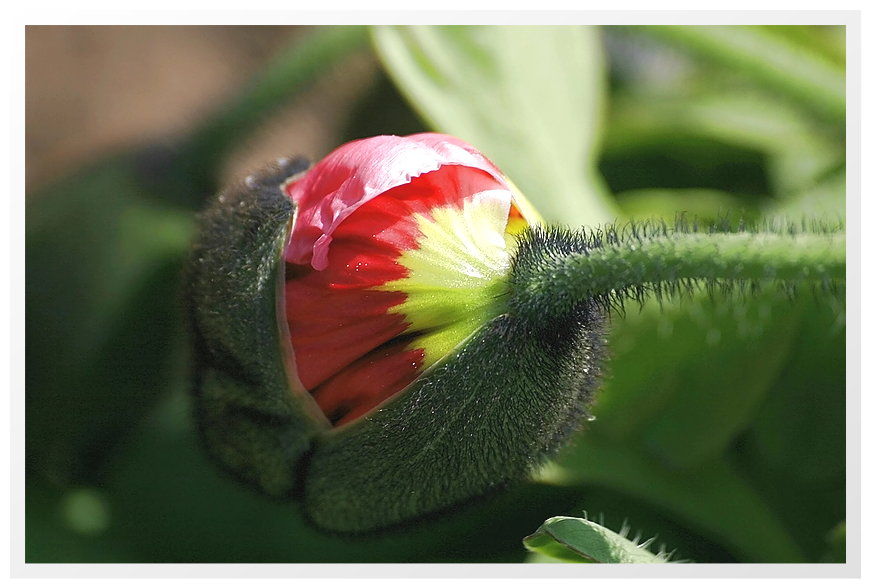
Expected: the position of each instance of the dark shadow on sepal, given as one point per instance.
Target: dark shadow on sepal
(479, 420)
(249, 420)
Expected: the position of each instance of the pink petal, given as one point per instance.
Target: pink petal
(358, 172)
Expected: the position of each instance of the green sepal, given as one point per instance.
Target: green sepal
(481, 418)
(249, 419)
(485, 415)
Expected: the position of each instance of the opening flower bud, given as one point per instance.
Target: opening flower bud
(400, 250)
(358, 347)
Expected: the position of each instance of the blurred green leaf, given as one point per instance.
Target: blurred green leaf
(836, 545)
(530, 98)
(800, 427)
(824, 200)
(769, 59)
(170, 504)
(54, 536)
(702, 204)
(827, 41)
(742, 117)
(579, 540)
(709, 497)
(795, 449)
(688, 377)
(795, 153)
(715, 390)
(683, 408)
(686, 162)
(103, 316)
(104, 249)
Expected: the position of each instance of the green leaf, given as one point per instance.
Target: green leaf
(801, 426)
(827, 41)
(796, 151)
(795, 449)
(530, 98)
(703, 204)
(825, 199)
(579, 540)
(771, 60)
(836, 539)
(711, 497)
(104, 332)
(740, 117)
(620, 510)
(689, 376)
(104, 250)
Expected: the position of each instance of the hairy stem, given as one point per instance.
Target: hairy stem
(561, 280)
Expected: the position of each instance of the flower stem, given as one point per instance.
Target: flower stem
(615, 265)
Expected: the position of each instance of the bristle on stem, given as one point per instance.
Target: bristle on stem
(556, 268)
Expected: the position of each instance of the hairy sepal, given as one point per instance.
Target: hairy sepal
(484, 416)
(481, 418)
(248, 419)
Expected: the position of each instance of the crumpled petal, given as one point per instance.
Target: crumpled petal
(398, 253)
(359, 171)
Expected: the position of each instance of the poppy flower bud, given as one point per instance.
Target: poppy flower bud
(358, 345)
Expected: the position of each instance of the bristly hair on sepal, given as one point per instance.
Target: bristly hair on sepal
(246, 419)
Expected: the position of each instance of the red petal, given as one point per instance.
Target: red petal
(358, 212)
(368, 383)
(360, 171)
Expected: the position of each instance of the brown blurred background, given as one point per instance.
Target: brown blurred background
(91, 90)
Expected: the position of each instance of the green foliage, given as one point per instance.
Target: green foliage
(771, 59)
(582, 541)
(104, 327)
(511, 92)
(721, 422)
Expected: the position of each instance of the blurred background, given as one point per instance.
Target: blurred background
(721, 426)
